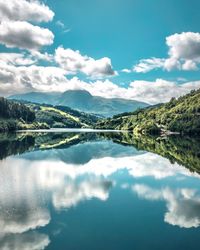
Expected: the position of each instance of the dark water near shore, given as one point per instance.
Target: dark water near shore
(76, 190)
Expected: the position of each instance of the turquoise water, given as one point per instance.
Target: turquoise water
(93, 192)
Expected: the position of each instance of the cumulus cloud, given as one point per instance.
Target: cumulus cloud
(73, 62)
(183, 51)
(15, 29)
(16, 78)
(160, 91)
(24, 35)
(20, 79)
(183, 204)
(17, 59)
(24, 10)
(146, 65)
(184, 46)
(151, 92)
(29, 78)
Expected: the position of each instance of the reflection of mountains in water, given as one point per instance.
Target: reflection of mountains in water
(79, 148)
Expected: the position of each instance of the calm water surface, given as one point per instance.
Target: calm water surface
(97, 191)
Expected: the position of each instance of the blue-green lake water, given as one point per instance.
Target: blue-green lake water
(87, 191)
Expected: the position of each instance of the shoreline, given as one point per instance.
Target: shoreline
(67, 130)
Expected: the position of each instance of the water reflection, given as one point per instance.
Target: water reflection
(12, 144)
(63, 172)
(183, 205)
(31, 241)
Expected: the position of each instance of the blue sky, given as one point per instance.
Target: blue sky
(125, 30)
(128, 33)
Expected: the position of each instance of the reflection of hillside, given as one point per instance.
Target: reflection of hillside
(76, 148)
(12, 144)
(79, 148)
(182, 150)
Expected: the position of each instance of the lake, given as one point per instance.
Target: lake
(96, 190)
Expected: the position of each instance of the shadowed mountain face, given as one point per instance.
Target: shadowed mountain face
(83, 101)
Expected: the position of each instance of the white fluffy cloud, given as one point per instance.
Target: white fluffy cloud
(184, 46)
(15, 29)
(30, 78)
(183, 204)
(73, 62)
(146, 65)
(184, 54)
(16, 59)
(20, 79)
(24, 35)
(160, 90)
(151, 92)
(24, 10)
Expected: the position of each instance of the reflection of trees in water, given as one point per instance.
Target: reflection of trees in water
(182, 150)
(12, 144)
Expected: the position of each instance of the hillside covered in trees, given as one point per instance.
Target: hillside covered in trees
(180, 115)
(62, 116)
(15, 115)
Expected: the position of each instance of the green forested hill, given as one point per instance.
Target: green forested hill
(16, 115)
(61, 116)
(180, 115)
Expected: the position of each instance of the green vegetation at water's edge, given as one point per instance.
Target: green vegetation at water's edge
(22, 116)
(180, 115)
(16, 116)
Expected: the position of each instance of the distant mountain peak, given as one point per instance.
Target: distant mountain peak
(83, 100)
(81, 92)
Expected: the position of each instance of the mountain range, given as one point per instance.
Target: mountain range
(82, 100)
